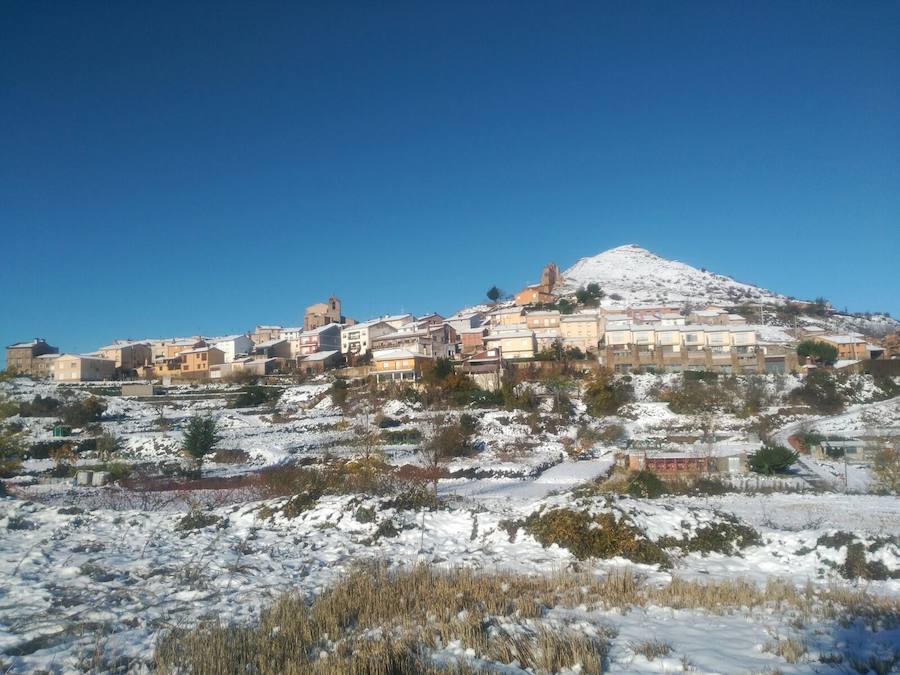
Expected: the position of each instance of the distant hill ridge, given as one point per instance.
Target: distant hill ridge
(638, 276)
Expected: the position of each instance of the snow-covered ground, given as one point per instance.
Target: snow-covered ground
(108, 570)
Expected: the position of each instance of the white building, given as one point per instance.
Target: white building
(463, 321)
(232, 345)
(357, 339)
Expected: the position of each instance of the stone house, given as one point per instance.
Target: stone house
(21, 356)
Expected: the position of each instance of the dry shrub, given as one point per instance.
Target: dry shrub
(790, 649)
(377, 621)
(370, 475)
(651, 649)
(380, 621)
(231, 457)
(594, 536)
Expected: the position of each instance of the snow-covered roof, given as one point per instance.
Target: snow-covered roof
(365, 325)
(197, 350)
(49, 356)
(462, 316)
(88, 357)
(270, 343)
(32, 343)
(320, 356)
(120, 345)
(510, 334)
(383, 354)
(320, 329)
(842, 339)
(225, 338)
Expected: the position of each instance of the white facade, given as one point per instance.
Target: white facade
(357, 339)
(465, 321)
(232, 345)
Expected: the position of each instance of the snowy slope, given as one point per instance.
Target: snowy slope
(642, 277)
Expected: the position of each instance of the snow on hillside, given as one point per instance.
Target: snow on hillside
(641, 277)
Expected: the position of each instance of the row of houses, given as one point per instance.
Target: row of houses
(401, 346)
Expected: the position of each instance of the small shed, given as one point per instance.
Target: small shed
(138, 389)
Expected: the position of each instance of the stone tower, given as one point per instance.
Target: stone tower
(550, 278)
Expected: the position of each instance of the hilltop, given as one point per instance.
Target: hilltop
(631, 275)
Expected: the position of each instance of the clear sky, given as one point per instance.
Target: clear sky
(179, 168)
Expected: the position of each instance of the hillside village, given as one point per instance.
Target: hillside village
(592, 474)
(553, 319)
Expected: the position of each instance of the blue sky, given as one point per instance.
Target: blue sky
(175, 168)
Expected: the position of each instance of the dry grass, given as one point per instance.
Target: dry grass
(790, 649)
(652, 649)
(376, 621)
(381, 621)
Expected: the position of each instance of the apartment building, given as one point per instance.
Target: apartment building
(357, 339)
(22, 356)
(580, 331)
(542, 320)
(506, 316)
(519, 343)
(681, 338)
(438, 341)
(400, 365)
(324, 338)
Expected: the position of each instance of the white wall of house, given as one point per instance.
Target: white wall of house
(358, 338)
(233, 345)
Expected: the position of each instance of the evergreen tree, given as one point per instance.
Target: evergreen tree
(200, 437)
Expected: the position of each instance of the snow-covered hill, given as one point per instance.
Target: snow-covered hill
(638, 277)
